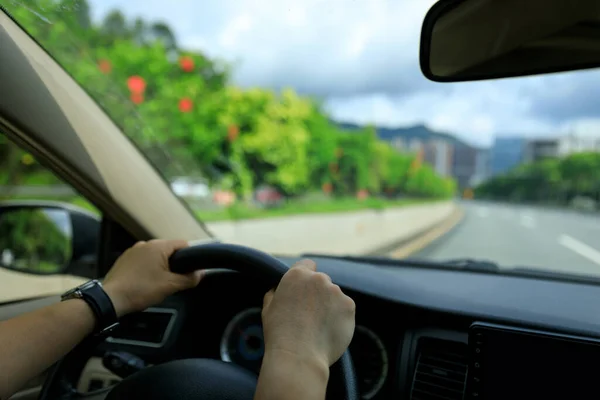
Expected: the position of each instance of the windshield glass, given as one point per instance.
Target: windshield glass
(307, 127)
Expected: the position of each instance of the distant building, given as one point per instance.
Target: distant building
(464, 164)
(482, 167)
(505, 154)
(398, 143)
(571, 143)
(438, 153)
(540, 149)
(415, 146)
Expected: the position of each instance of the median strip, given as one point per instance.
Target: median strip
(426, 238)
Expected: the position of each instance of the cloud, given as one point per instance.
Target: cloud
(567, 96)
(319, 47)
(361, 58)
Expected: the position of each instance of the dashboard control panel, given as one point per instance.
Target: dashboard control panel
(514, 363)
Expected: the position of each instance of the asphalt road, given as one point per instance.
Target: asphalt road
(520, 236)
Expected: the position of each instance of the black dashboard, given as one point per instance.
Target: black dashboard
(414, 337)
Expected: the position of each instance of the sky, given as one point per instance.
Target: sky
(361, 58)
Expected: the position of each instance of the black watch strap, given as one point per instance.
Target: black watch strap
(94, 295)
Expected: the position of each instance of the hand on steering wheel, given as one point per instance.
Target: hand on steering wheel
(306, 309)
(308, 315)
(141, 276)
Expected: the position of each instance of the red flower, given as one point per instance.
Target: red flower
(186, 63)
(327, 187)
(137, 98)
(185, 105)
(104, 66)
(136, 84)
(362, 194)
(232, 132)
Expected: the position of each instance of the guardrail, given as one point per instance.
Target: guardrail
(358, 232)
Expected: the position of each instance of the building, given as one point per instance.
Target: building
(482, 167)
(415, 146)
(570, 144)
(505, 154)
(398, 143)
(438, 153)
(540, 149)
(464, 164)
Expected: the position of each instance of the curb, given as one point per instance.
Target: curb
(421, 239)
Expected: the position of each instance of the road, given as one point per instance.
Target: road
(521, 236)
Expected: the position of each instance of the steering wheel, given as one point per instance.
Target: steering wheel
(194, 378)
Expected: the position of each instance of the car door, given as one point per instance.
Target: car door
(59, 150)
(37, 240)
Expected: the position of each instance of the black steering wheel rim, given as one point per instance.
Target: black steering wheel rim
(60, 382)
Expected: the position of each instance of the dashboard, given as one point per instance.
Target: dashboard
(416, 329)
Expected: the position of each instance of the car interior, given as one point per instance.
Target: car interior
(423, 331)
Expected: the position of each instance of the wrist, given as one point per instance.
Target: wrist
(118, 300)
(286, 375)
(303, 360)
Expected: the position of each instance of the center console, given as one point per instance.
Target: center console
(513, 363)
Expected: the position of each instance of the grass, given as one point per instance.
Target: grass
(243, 211)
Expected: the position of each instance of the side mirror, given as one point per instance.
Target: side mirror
(469, 40)
(48, 238)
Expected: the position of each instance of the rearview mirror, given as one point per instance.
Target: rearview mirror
(47, 238)
(468, 40)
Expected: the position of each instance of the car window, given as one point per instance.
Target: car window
(35, 242)
(306, 127)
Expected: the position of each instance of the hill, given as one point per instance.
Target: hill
(420, 132)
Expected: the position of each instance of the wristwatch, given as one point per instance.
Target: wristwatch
(94, 295)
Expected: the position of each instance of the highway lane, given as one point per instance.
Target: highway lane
(521, 236)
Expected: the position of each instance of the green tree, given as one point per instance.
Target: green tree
(547, 181)
(34, 240)
(187, 117)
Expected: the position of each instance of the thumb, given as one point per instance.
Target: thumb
(191, 279)
(197, 276)
(307, 264)
(168, 247)
(267, 299)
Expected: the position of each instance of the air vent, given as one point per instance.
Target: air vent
(441, 370)
(150, 328)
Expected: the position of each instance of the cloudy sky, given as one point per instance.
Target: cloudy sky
(361, 58)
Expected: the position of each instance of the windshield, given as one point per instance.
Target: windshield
(307, 127)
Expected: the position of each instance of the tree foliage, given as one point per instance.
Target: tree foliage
(34, 240)
(179, 108)
(547, 181)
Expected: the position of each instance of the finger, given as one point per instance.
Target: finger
(307, 264)
(326, 278)
(140, 243)
(268, 297)
(195, 277)
(171, 246)
(187, 281)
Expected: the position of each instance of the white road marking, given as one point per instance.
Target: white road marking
(580, 248)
